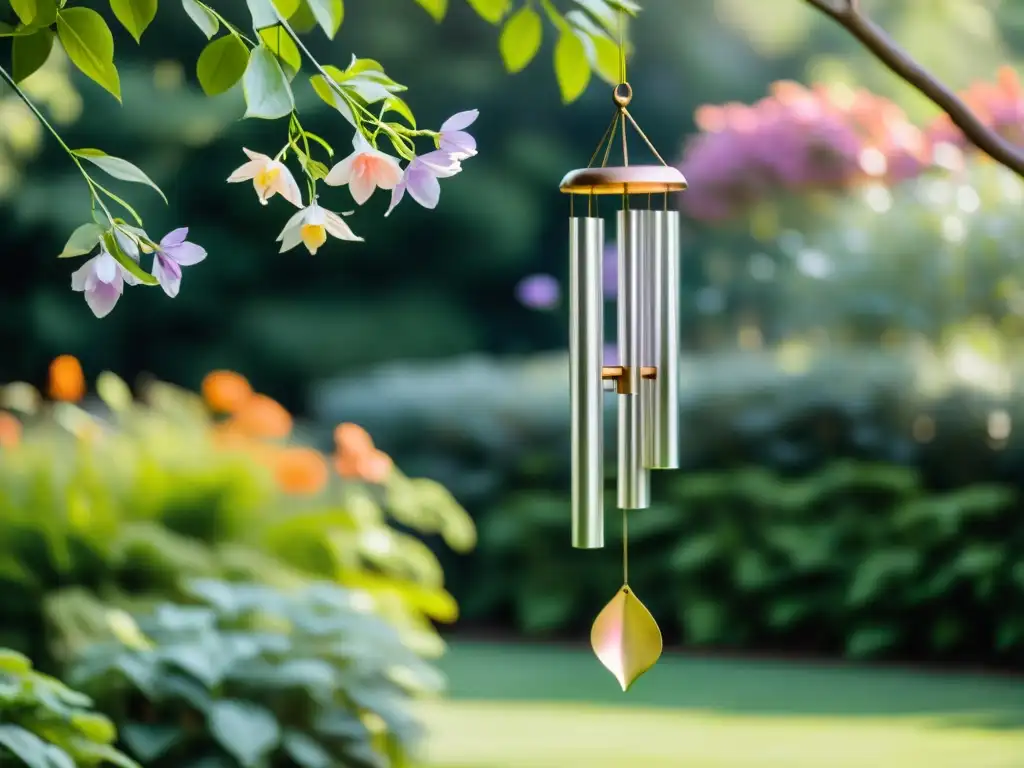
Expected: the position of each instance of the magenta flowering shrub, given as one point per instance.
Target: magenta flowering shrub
(795, 140)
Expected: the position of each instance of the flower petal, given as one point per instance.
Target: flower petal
(341, 173)
(80, 277)
(105, 268)
(460, 120)
(246, 171)
(338, 228)
(186, 254)
(290, 238)
(362, 187)
(397, 194)
(102, 298)
(285, 185)
(424, 188)
(440, 163)
(174, 237)
(386, 170)
(459, 144)
(168, 274)
(293, 223)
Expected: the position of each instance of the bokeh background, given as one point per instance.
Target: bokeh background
(853, 302)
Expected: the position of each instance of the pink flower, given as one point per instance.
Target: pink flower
(365, 170)
(454, 140)
(101, 280)
(421, 178)
(270, 177)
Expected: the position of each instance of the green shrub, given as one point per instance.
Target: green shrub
(855, 559)
(123, 501)
(45, 724)
(252, 676)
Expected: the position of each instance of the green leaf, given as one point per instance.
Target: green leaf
(46, 13)
(247, 732)
(126, 261)
(82, 241)
(571, 66)
(25, 746)
(90, 46)
(436, 8)
(329, 15)
(14, 662)
(202, 17)
(602, 51)
(30, 52)
(94, 727)
(267, 93)
(134, 15)
(281, 43)
(149, 742)
(331, 97)
(521, 38)
(287, 8)
(118, 168)
(305, 751)
(263, 13)
(25, 10)
(397, 104)
(221, 64)
(491, 10)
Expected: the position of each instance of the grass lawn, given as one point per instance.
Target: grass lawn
(514, 706)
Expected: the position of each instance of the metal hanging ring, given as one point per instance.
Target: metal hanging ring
(622, 95)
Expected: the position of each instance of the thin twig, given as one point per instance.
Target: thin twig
(848, 15)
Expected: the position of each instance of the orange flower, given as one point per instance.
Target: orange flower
(262, 416)
(351, 438)
(10, 430)
(300, 470)
(373, 467)
(67, 382)
(225, 391)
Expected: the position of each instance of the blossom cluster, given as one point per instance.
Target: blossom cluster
(364, 171)
(794, 140)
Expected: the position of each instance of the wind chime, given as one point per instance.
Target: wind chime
(625, 637)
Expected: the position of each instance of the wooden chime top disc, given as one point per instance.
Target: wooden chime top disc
(628, 180)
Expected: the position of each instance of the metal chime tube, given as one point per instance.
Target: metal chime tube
(661, 396)
(586, 391)
(633, 479)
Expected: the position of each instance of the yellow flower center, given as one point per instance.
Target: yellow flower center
(313, 235)
(266, 176)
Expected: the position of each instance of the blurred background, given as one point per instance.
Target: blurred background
(838, 570)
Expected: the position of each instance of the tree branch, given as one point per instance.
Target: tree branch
(849, 16)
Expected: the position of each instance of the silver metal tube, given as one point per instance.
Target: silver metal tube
(634, 481)
(586, 389)
(631, 235)
(633, 478)
(661, 396)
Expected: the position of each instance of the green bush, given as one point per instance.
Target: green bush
(252, 676)
(123, 501)
(857, 559)
(45, 724)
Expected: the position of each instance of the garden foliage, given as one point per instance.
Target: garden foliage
(45, 724)
(248, 675)
(115, 505)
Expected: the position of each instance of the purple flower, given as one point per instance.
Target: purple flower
(102, 280)
(538, 291)
(454, 140)
(174, 253)
(611, 354)
(421, 178)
